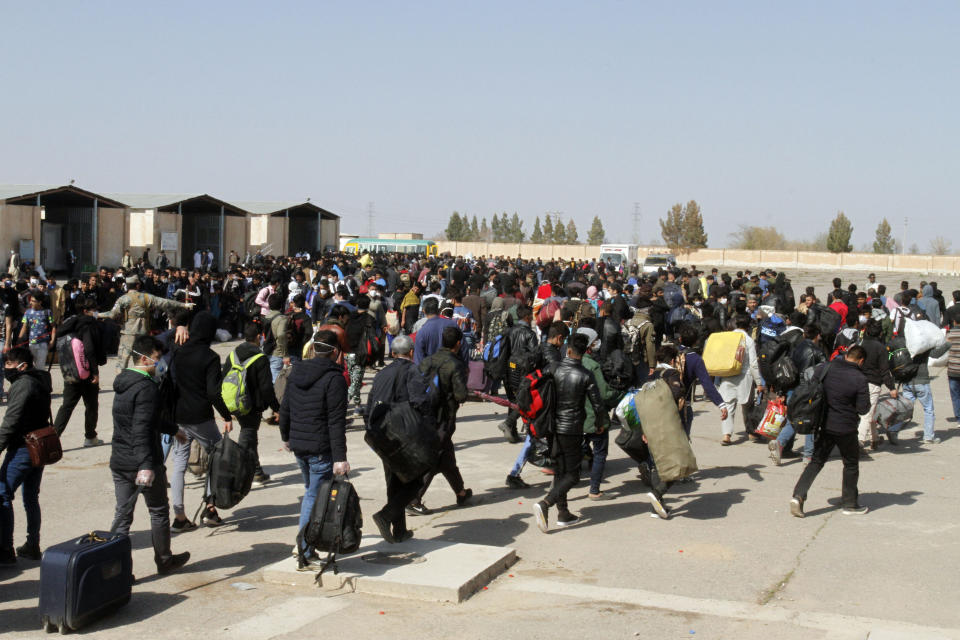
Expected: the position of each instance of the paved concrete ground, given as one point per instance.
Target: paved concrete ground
(731, 563)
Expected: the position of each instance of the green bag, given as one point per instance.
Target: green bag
(234, 389)
(659, 418)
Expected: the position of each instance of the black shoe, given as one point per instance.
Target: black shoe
(510, 433)
(211, 518)
(260, 479)
(179, 526)
(402, 536)
(465, 498)
(29, 551)
(790, 453)
(567, 519)
(418, 509)
(8, 558)
(516, 482)
(645, 474)
(173, 563)
(893, 438)
(383, 526)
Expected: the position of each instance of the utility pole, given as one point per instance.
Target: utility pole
(636, 223)
(370, 219)
(903, 247)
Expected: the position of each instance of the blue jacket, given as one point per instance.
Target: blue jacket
(430, 337)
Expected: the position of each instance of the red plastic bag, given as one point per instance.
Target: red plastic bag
(773, 419)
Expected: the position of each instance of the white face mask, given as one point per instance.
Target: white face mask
(863, 319)
(723, 301)
(34, 281)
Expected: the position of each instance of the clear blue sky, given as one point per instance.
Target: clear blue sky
(764, 112)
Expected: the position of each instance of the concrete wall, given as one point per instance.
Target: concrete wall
(330, 234)
(18, 223)
(722, 257)
(236, 237)
(111, 236)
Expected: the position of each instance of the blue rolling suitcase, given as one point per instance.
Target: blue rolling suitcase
(85, 578)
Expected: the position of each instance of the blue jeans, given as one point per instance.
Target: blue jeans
(923, 394)
(600, 442)
(522, 458)
(315, 470)
(954, 395)
(17, 471)
(788, 434)
(276, 366)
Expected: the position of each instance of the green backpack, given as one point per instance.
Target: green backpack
(234, 389)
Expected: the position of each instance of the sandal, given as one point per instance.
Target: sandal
(726, 441)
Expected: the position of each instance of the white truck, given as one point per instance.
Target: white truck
(618, 254)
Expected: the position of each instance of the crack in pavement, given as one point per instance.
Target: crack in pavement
(771, 592)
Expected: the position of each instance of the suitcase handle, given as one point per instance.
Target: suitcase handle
(91, 537)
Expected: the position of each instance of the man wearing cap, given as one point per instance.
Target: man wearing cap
(136, 307)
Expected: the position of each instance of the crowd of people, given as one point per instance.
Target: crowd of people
(310, 327)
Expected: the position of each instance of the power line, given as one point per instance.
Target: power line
(636, 223)
(370, 220)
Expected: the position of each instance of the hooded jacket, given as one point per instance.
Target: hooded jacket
(28, 405)
(929, 305)
(136, 427)
(314, 409)
(197, 371)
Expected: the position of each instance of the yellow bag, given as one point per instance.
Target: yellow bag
(723, 354)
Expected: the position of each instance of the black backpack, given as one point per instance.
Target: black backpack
(807, 409)
(902, 365)
(231, 468)
(827, 320)
(617, 370)
(785, 375)
(335, 523)
(770, 353)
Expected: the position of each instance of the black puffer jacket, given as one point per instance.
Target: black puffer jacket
(313, 413)
(574, 385)
(197, 370)
(28, 406)
(136, 427)
(259, 379)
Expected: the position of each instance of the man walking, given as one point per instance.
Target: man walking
(259, 385)
(573, 386)
(847, 397)
(85, 328)
(137, 457)
(28, 408)
(445, 373)
(313, 417)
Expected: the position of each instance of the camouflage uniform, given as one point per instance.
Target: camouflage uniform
(136, 308)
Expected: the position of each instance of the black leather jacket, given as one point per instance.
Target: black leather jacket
(807, 355)
(524, 348)
(574, 385)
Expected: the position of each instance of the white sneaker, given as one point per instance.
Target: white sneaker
(92, 442)
(658, 507)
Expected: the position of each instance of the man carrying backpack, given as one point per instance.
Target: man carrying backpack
(447, 382)
(85, 328)
(137, 457)
(276, 337)
(313, 417)
(250, 391)
(846, 397)
(918, 389)
(400, 381)
(596, 438)
(573, 386)
(523, 351)
(197, 371)
(639, 343)
(737, 389)
(807, 355)
(549, 356)
(876, 367)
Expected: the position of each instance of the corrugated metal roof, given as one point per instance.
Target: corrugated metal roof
(18, 191)
(260, 208)
(8, 191)
(151, 200)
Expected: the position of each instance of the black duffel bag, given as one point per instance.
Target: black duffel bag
(398, 434)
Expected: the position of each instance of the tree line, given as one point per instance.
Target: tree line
(509, 229)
